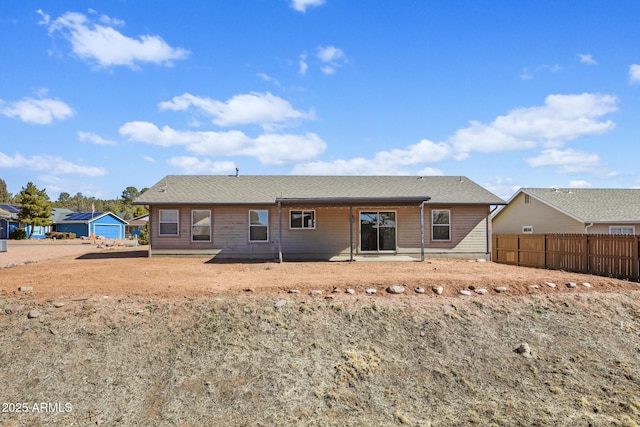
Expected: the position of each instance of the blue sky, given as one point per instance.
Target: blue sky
(98, 96)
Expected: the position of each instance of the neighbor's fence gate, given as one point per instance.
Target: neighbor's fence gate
(612, 255)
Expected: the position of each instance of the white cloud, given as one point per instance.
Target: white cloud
(332, 58)
(195, 165)
(634, 73)
(586, 58)
(148, 159)
(302, 64)
(251, 108)
(51, 164)
(561, 119)
(302, 5)
(269, 79)
(392, 162)
(108, 47)
(45, 19)
(528, 74)
(93, 138)
(270, 149)
(569, 161)
(38, 111)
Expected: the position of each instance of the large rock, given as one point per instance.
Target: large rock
(33, 314)
(438, 290)
(464, 292)
(395, 289)
(524, 350)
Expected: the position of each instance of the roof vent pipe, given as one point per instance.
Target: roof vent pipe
(237, 172)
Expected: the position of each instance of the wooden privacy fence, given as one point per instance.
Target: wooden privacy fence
(612, 255)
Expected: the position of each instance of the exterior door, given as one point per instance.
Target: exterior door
(377, 231)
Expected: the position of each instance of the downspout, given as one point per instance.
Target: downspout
(586, 229)
(280, 232)
(489, 231)
(422, 231)
(351, 233)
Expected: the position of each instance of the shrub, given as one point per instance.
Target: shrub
(143, 238)
(18, 234)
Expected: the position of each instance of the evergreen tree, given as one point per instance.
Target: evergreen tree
(35, 207)
(5, 196)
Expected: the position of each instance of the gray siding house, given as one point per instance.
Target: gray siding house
(570, 210)
(319, 217)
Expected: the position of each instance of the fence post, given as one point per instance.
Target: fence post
(585, 242)
(636, 259)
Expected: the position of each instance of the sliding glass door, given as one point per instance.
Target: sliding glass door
(377, 231)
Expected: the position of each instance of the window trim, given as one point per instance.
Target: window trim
(176, 222)
(210, 226)
(302, 212)
(433, 225)
(250, 225)
(632, 227)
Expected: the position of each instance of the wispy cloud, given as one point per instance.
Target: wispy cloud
(302, 64)
(269, 149)
(303, 5)
(529, 74)
(269, 79)
(264, 109)
(587, 58)
(101, 43)
(51, 164)
(561, 119)
(634, 73)
(393, 162)
(94, 139)
(38, 111)
(331, 58)
(570, 161)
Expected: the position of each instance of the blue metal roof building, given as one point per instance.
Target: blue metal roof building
(93, 224)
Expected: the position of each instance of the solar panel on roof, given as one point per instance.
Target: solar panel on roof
(10, 209)
(82, 216)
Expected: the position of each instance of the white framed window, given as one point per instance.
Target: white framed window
(200, 225)
(302, 219)
(441, 225)
(527, 229)
(168, 222)
(258, 225)
(622, 229)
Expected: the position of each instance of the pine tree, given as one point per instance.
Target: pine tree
(35, 207)
(5, 196)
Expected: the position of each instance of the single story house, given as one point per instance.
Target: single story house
(9, 221)
(319, 217)
(570, 210)
(136, 225)
(92, 224)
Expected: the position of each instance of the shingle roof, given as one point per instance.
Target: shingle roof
(592, 204)
(256, 189)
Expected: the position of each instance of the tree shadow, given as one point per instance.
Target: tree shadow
(115, 255)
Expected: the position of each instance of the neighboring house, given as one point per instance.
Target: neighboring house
(570, 210)
(136, 225)
(8, 220)
(319, 217)
(93, 224)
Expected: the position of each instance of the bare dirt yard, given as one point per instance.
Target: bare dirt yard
(122, 339)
